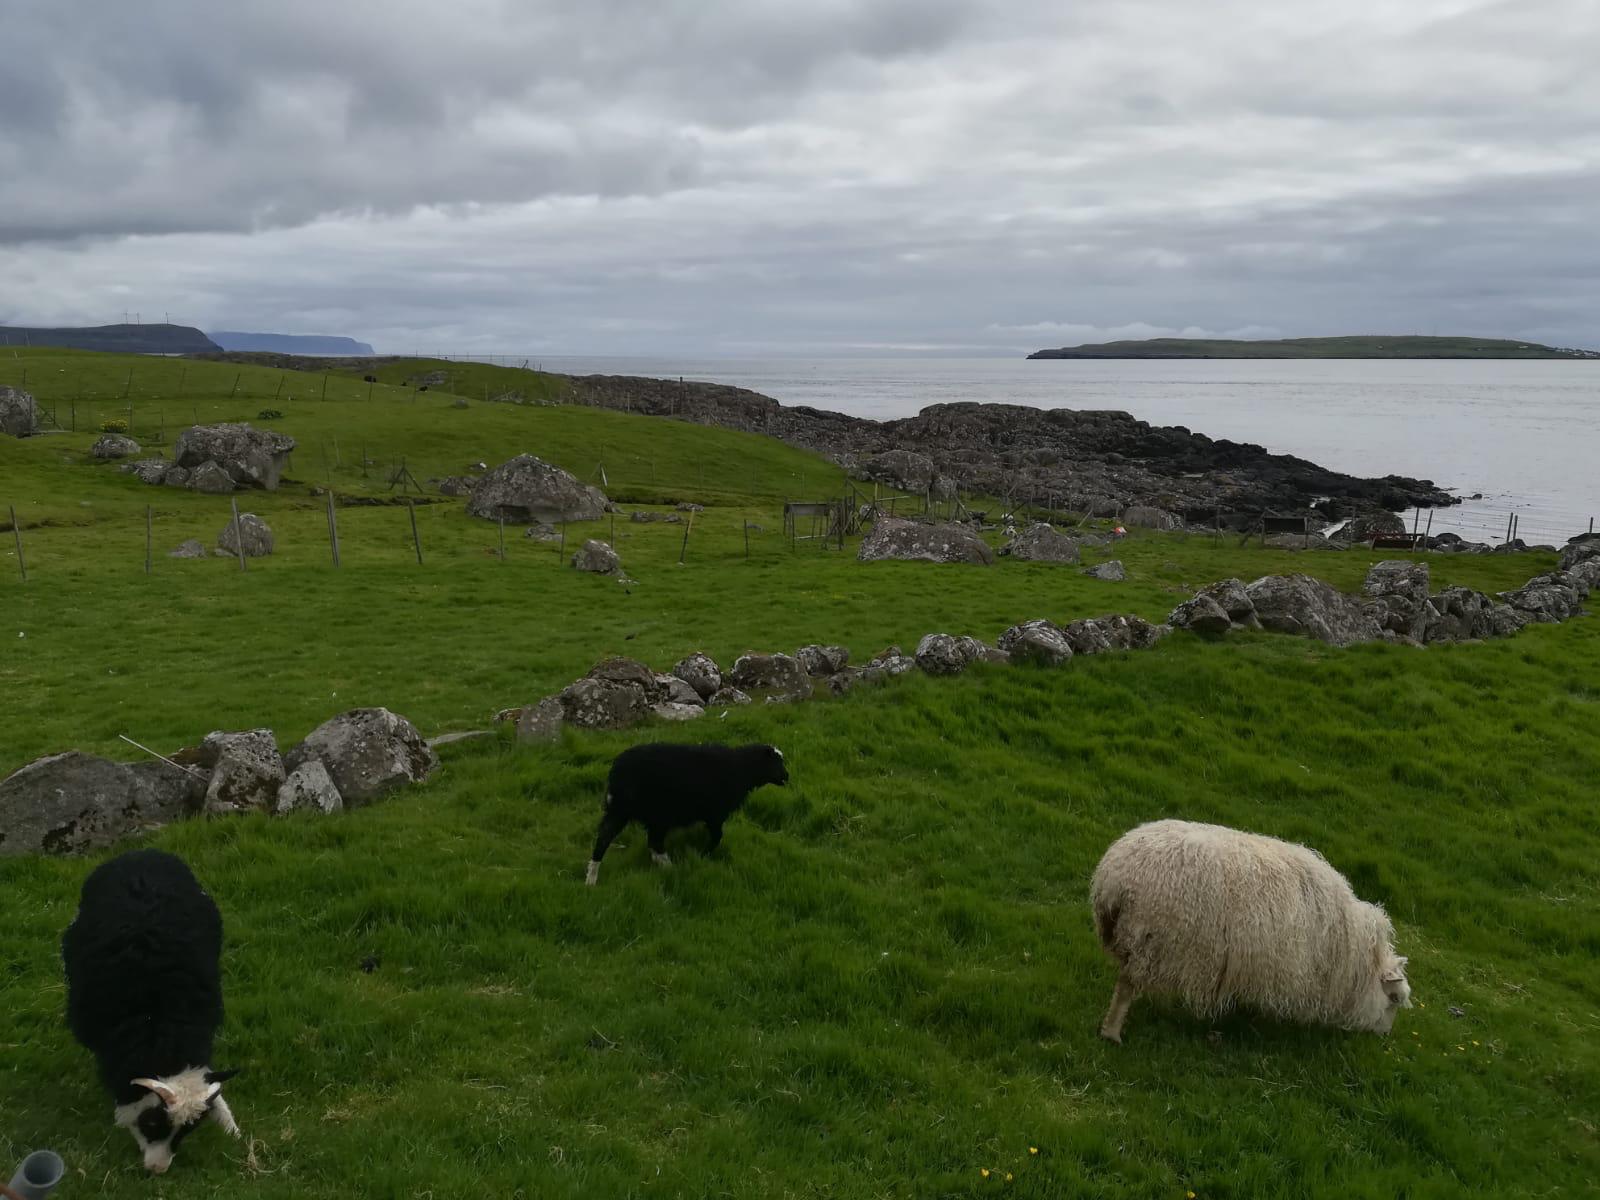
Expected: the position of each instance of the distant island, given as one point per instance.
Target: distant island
(1319, 347)
(118, 339)
(290, 343)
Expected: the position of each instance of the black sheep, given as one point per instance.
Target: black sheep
(144, 995)
(665, 787)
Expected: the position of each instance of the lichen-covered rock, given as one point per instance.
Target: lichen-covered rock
(1201, 614)
(1308, 607)
(1112, 571)
(309, 788)
(727, 696)
(174, 477)
(1545, 598)
(1583, 548)
(193, 548)
(211, 478)
(1368, 526)
(1042, 543)
(251, 531)
(893, 538)
(148, 470)
(541, 722)
(669, 711)
(942, 654)
(246, 770)
(249, 457)
(779, 673)
(1398, 591)
(821, 661)
(369, 752)
(1398, 577)
(19, 414)
(700, 671)
(109, 446)
(597, 557)
(904, 469)
(1230, 594)
(677, 691)
(1039, 641)
(75, 802)
(528, 489)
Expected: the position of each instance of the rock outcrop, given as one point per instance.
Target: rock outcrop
(74, 802)
(598, 558)
(526, 489)
(1038, 641)
(368, 752)
(895, 538)
(252, 458)
(110, 446)
(251, 532)
(1042, 543)
(19, 414)
(1308, 607)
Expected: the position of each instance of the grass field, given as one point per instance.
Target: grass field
(886, 982)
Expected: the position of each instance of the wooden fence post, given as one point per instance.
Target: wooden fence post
(149, 534)
(503, 538)
(684, 549)
(238, 535)
(415, 539)
(333, 528)
(16, 532)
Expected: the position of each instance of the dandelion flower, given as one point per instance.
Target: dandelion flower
(984, 1171)
(1035, 1149)
(1009, 1177)
(1188, 1196)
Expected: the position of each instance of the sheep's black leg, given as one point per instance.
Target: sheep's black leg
(658, 846)
(610, 825)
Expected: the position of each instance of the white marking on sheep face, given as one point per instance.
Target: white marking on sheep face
(172, 1108)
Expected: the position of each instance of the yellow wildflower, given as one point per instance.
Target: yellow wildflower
(985, 1171)
(1009, 1177)
(1035, 1149)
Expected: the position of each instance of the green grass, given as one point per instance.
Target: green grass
(886, 981)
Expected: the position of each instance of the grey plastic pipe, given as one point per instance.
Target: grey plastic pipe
(38, 1175)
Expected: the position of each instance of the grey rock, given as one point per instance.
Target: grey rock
(527, 489)
(1112, 571)
(1308, 607)
(629, 672)
(820, 661)
(1462, 615)
(689, 507)
(1145, 516)
(19, 415)
(368, 752)
(1398, 577)
(211, 479)
(1042, 543)
(700, 671)
(75, 802)
(1545, 598)
(149, 470)
(942, 654)
(1098, 635)
(1299, 541)
(1583, 548)
(904, 469)
(542, 533)
(641, 516)
(1231, 595)
(542, 722)
(677, 691)
(893, 538)
(602, 704)
(780, 673)
(1037, 641)
(246, 770)
(309, 787)
(178, 477)
(1584, 574)
(727, 696)
(598, 558)
(110, 446)
(1201, 614)
(1367, 526)
(252, 532)
(189, 549)
(250, 457)
(455, 485)
(668, 711)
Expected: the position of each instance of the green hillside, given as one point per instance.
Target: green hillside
(885, 982)
(1376, 346)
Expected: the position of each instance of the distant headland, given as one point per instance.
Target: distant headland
(1319, 347)
(176, 339)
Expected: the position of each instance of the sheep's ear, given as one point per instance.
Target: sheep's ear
(1397, 972)
(220, 1077)
(168, 1096)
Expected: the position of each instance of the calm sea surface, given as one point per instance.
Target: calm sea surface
(1524, 434)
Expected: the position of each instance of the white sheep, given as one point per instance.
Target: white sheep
(1218, 917)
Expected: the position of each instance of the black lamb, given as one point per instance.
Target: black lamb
(144, 995)
(665, 787)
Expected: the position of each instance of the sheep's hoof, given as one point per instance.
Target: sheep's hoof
(1114, 1036)
(592, 875)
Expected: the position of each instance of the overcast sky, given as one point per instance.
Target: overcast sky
(748, 177)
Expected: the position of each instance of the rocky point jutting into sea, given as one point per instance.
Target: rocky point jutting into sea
(1095, 461)
(1080, 460)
